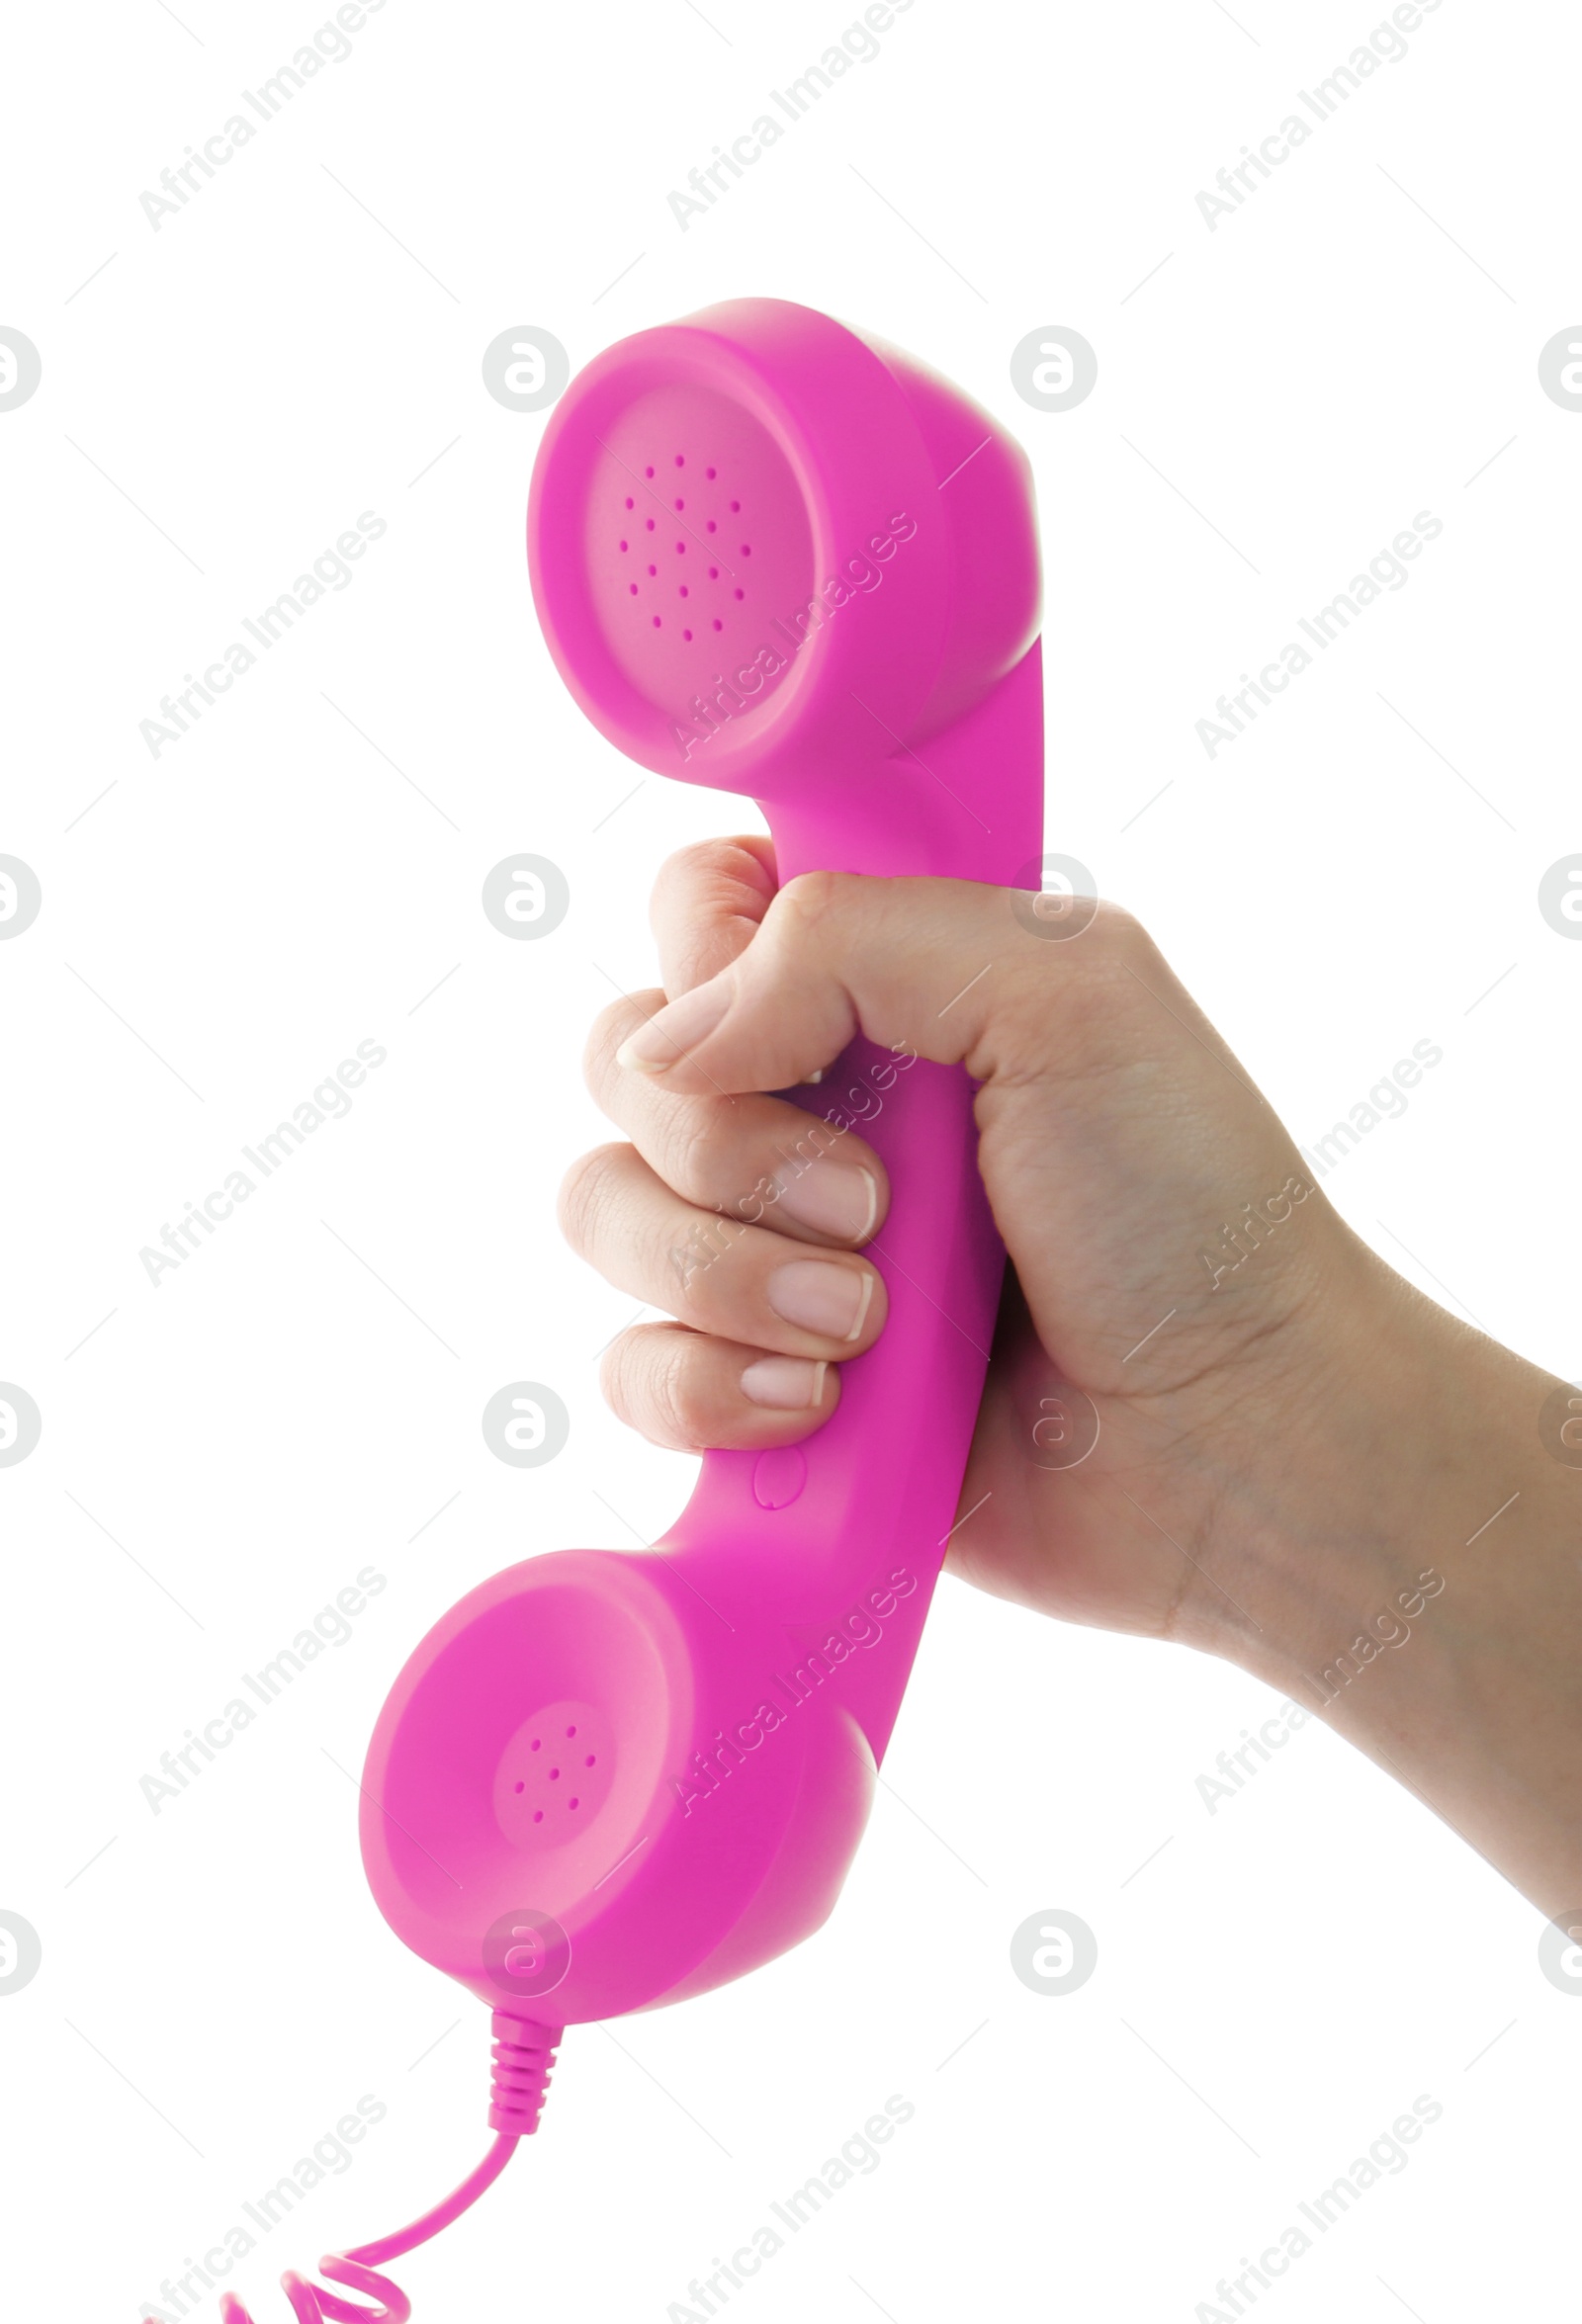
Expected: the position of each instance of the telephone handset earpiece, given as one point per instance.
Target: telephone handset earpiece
(771, 557)
(774, 558)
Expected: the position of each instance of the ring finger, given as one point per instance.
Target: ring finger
(717, 1274)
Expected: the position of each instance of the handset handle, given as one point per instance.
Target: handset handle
(732, 1694)
(873, 1494)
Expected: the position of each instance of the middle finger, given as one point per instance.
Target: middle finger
(717, 1274)
(752, 1157)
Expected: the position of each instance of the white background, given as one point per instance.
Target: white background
(223, 1453)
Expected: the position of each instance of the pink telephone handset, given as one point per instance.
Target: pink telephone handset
(773, 556)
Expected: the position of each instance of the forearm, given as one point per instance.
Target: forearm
(1423, 1586)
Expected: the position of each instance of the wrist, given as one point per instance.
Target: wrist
(1409, 1571)
(1387, 1439)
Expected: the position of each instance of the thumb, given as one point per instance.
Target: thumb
(921, 964)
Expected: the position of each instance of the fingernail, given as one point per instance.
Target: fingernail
(784, 1382)
(836, 1198)
(671, 1031)
(820, 1297)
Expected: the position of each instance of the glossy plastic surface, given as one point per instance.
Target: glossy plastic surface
(773, 557)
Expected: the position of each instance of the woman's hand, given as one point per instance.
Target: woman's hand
(1290, 1437)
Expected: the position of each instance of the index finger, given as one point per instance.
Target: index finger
(925, 963)
(708, 904)
(950, 970)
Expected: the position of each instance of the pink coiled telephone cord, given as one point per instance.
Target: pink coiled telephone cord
(773, 556)
(522, 2062)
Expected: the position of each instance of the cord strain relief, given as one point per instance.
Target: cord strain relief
(523, 2055)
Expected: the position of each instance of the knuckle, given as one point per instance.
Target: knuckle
(812, 898)
(647, 1383)
(612, 1378)
(608, 1030)
(1119, 930)
(714, 863)
(1080, 997)
(619, 1368)
(696, 1290)
(1107, 953)
(699, 858)
(623, 1372)
(587, 1194)
(1119, 952)
(677, 1405)
(725, 873)
(700, 1155)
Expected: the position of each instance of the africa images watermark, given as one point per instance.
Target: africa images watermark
(859, 2154)
(328, 45)
(858, 45)
(1387, 2153)
(1385, 45)
(862, 1103)
(183, 2294)
(1388, 570)
(331, 1626)
(330, 1101)
(1236, 1768)
(1386, 1628)
(1252, 1230)
(861, 1625)
(1386, 1101)
(178, 714)
(859, 575)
